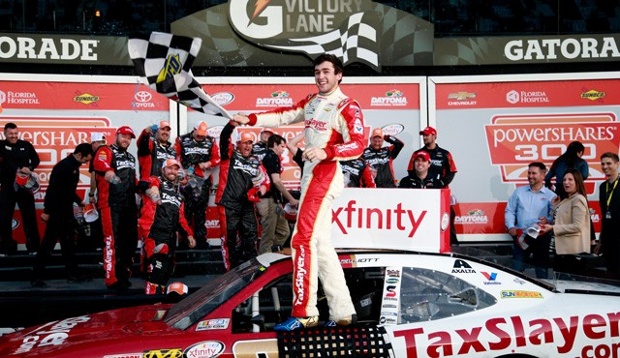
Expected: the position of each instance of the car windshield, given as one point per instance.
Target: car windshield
(209, 297)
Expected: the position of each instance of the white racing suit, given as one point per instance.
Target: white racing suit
(335, 124)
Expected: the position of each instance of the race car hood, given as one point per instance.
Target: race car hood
(106, 329)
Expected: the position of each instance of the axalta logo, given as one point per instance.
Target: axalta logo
(392, 98)
(460, 266)
(310, 27)
(43, 48)
(514, 97)
(476, 216)
(462, 99)
(277, 99)
(398, 218)
(19, 98)
(593, 95)
(143, 100)
(86, 98)
(566, 48)
(223, 98)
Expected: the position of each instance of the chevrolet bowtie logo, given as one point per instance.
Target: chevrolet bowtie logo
(461, 96)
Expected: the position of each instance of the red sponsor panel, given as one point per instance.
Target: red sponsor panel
(517, 140)
(266, 97)
(480, 218)
(528, 94)
(80, 95)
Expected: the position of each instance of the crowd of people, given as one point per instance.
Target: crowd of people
(161, 197)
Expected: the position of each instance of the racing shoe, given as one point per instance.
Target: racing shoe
(347, 320)
(295, 323)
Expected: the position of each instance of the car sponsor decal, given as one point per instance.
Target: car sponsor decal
(124, 355)
(206, 349)
(391, 295)
(520, 294)
(564, 334)
(491, 278)
(264, 348)
(460, 266)
(54, 336)
(217, 323)
(164, 353)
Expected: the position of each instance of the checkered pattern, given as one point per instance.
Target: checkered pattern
(165, 61)
(354, 41)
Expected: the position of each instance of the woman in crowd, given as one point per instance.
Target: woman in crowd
(571, 226)
(571, 158)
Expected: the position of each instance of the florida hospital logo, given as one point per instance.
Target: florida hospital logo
(344, 28)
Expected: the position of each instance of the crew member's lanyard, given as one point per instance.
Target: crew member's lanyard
(610, 193)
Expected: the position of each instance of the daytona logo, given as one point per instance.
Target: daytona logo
(558, 333)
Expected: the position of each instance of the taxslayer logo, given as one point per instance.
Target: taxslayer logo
(568, 336)
(392, 98)
(515, 141)
(475, 216)
(310, 27)
(86, 98)
(143, 99)
(44, 48)
(593, 95)
(398, 218)
(55, 138)
(276, 99)
(462, 99)
(514, 97)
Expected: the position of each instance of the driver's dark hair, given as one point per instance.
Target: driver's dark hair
(335, 60)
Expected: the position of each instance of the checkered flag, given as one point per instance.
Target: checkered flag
(165, 61)
(355, 40)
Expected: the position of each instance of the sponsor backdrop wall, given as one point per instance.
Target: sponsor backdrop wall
(495, 125)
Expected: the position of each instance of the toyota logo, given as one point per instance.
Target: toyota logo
(143, 96)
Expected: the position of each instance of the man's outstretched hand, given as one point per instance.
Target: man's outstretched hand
(241, 118)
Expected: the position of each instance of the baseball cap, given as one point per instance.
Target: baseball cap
(201, 128)
(126, 130)
(164, 124)
(268, 130)
(170, 162)
(246, 137)
(377, 132)
(423, 154)
(428, 131)
(97, 137)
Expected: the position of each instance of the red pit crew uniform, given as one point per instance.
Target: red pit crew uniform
(358, 174)
(238, 175)
(190, 154)
(152, 153)
(335, 124)
(158, 225)
(117, 205)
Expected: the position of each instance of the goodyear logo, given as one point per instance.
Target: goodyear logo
(86, 98)
(164, 353)
(520, 294)
(172, 67)
(592, 95)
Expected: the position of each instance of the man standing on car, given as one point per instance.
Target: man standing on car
(529, 206)
(17, 155)
(198, 154)
(380, 159)
(609, 199)
(154, 148)
(115, 168)
(58, 214)
(334, 131)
